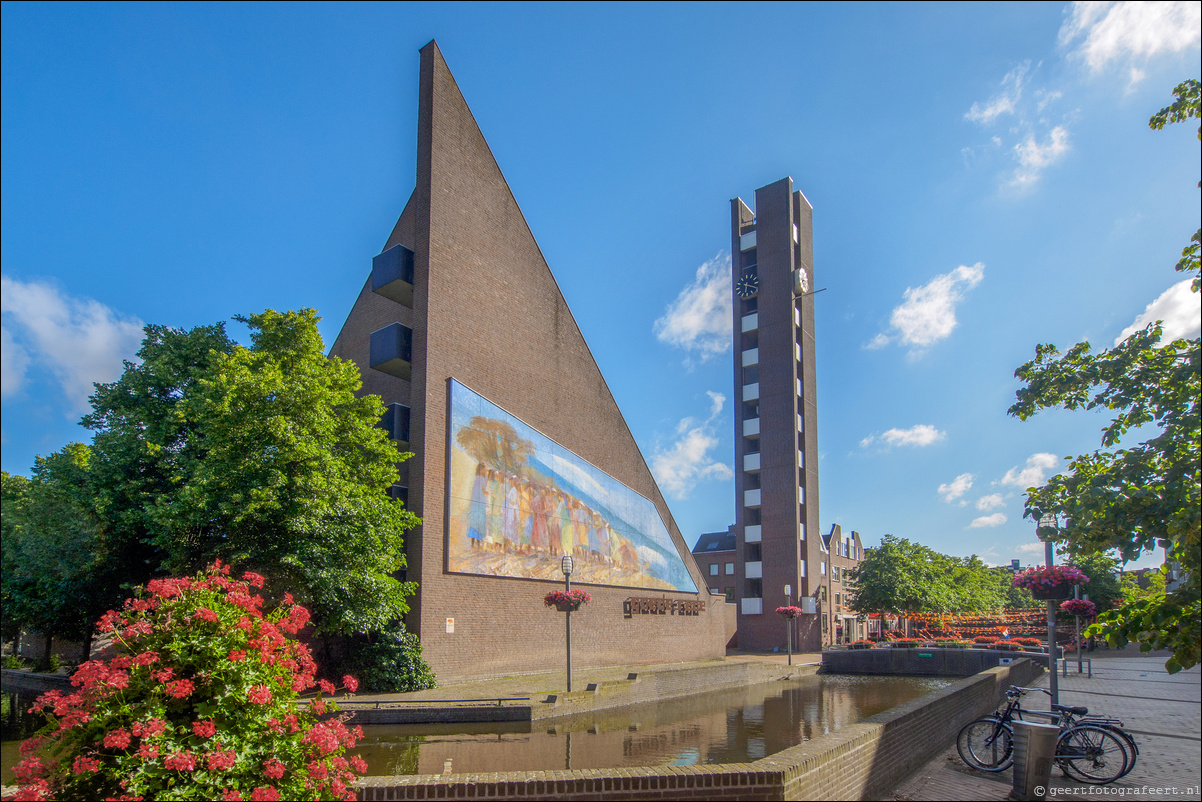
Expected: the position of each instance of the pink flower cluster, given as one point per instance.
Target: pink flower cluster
(1081, 607)
(131, 725)
(1045, 577)
(788, 612)
(558, 597)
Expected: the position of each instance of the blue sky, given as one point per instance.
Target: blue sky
(983, 179)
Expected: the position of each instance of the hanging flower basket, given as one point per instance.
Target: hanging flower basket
(567, 601)
(1046, 583)
(1081, 607)
(788, 612)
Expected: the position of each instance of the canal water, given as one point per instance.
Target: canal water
(731, 726)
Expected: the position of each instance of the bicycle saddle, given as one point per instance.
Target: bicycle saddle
(1076, 711)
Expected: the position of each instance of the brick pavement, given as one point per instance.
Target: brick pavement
(1159, 709)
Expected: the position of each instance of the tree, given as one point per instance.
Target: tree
(262, 456)
(52, 579)
(1137, 498)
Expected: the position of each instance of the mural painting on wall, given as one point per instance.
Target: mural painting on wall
(520, 502)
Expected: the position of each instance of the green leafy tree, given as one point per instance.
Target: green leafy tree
(262, 456)
(53, 578)
(1141, 497)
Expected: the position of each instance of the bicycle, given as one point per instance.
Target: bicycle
(1087, 749)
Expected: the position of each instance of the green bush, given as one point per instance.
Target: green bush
(391, 662)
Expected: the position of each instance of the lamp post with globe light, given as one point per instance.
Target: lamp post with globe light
(1047, 533)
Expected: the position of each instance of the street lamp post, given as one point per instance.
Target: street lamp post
(566, 566)
(789, 621)
(1047, 533)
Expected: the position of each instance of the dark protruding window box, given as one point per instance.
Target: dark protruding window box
(392, 275)
(395, 421)
(392, 351)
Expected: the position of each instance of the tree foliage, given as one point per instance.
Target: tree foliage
(1133, 498)
(262, 456)
(53, 578)
(900, 577)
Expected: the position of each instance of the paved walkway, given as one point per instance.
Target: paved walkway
(1160, 710)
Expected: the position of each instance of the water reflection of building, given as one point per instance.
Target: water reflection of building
(462, 292)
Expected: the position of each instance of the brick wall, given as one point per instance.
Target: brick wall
(860, 761)
(488, 313)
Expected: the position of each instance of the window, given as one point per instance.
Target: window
(751, 410)
(730, 569)
(751, 516)
(824, 569)
(837, 599)
(822, 592)
(751, 445)
(754, 552)
(714, 590)
(751, 481)
(751, 339)
(834, 573)
(730, 594)
(751, 374)
(753, 589)
(714, 545)
(750, 304)
(714, 569)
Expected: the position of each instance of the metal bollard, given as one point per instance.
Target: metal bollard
(1034, 752)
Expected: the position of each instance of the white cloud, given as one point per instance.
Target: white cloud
(997, 519)
(1112, 31)
(1032, 548)
(79, 340)
(13, 362)
(1178, 307)
(917, 435)
(1003, 103)
(1034, 473)
(958, 487)
(985, 503)
(700, 318)
(1033, 157)
(928, 313)
(688, 460)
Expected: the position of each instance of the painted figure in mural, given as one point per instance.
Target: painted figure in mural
(553, 537)
(478, 509)
(526, 520)
(496, 506)
(538, 517)
(511, 512)
(567, 530)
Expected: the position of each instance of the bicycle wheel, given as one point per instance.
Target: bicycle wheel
(1092, 754)
(986, 744)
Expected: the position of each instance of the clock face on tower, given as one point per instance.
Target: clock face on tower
(748, 285)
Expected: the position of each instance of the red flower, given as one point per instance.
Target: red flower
(326, 686)
(266, 793)
(237, 655)
(273, 768)
(180, 688)
(118, 739)
(231, 795)
(181, 761)
(350, 683)
(148, 752)
(205, 614)
(221, 760)
(85, 764)
(205, 729)
(256, 580)
(259, 694)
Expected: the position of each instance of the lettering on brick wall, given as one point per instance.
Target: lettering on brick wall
(650, 605)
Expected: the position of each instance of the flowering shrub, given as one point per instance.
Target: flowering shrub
(985, 639)
(861, 644)
(788, 612)
(1081, 607)
(199, 703)
(1042, 577)
(905, 643)
(557, 597)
